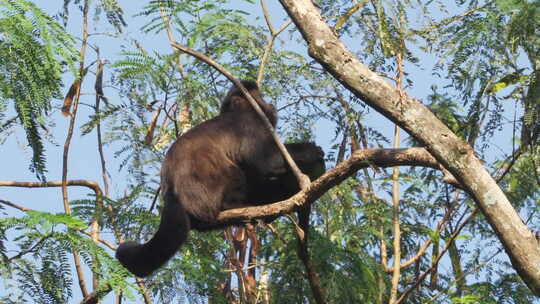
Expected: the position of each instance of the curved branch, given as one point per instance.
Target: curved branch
(359, 159)
(75, 182)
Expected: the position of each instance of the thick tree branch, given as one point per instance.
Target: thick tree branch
(359, 159)
(412, 116)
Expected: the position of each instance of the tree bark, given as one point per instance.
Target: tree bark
(411, 115)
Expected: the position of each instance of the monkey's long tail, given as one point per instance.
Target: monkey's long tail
(143, 259)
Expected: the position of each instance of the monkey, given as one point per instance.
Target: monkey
(310, 160)
(227, 162)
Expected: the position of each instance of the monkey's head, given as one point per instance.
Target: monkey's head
(235, 101)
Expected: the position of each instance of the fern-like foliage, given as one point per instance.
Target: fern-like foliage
(487, 53)
(33, 51)
(113, 12)
(42, 267)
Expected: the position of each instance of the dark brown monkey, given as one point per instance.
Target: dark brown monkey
(227, 162)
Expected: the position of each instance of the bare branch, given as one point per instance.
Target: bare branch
(396, 210)
(67, 210)
(75, 182)
(14, 205)
(271, 40)
(142, 286)
(266, 14)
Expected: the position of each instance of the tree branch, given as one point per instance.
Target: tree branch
(302, 236)
(303, 180)
(82, 72)
(13, 205)
(96, 295)
(456, 155)
(75, 182)
(20, 254)
(343, 18)
(358, 160)
(270, 42)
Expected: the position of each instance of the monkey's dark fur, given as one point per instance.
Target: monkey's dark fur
(227, 162)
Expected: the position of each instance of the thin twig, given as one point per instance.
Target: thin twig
(142, 287)
(20, 254)
(271, 40)
(395, 219)
(100, 240)
(449, 20)
(13, 205)
(424, 246)
(155, 199)
(343, 18)
(96, 295)
(67, 210)
(75, 182)
(99, 95)
(94, 225)
(395, 193)
(476, 268)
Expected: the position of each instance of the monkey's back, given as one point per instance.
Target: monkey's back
(203, 167)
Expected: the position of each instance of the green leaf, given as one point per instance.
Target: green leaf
(58, 218)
